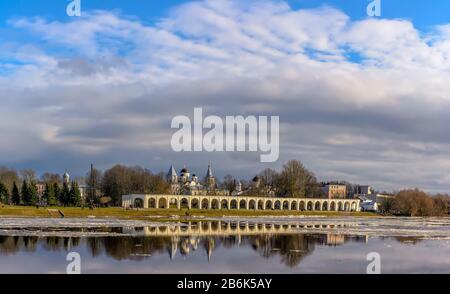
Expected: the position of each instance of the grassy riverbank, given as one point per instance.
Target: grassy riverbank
(117, 212)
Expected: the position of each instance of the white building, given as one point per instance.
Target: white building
(372, 202)
(368, 205)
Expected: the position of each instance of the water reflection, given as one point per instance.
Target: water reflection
(215, 247)
(229, 228)
(290, 248)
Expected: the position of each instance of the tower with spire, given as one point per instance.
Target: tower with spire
(210, 180)
(173, 247)
(172, 176)
(209, 245)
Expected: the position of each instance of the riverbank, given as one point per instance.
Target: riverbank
(167, 214)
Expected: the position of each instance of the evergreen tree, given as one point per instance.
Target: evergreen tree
(4, 195)
(75, 195)
(57, 193)
(49, 194)
(65, 195)
(15, 195)
(24, 193)
(33, 193)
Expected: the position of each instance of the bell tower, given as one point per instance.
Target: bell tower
(210, 180)
(172, 176)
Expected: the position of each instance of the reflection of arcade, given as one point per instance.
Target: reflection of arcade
(225, 228)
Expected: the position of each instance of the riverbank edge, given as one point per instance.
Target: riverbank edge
(164, 214)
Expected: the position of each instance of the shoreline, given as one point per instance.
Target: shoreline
(165, 214)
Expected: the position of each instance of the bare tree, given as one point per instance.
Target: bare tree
(269, 182)
(8, 177)
(296, 180)
(28, 175)
(441, 205)
(121, 180)
(93, 180)
(413, 202)
(229, 182)
(51, 178)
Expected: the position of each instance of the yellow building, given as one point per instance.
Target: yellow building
(335, 191)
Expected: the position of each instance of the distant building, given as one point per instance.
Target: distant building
(185, 184)
(40, 189)
(372, 202)
(335, 191)
(256, 182)
(237, 189)
(363, 189)
(84, 190)
(368, 205)
(256, 187)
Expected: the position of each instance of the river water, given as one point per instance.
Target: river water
(277, 245)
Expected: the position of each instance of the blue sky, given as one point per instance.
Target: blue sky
(359, 99)
(423, 13)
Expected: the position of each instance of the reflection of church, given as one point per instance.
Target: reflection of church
(185, 184)
(185, 244)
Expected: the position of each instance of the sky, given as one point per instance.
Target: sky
(362, 99)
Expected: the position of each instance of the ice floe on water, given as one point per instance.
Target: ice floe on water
(72, 223)
(427, 228)
(369, 226)
(71, 227)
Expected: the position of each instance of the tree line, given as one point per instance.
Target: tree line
(104, 188)
(18, 189)
(415, 202)
(26, 193)
(121, 180)
(107, 188)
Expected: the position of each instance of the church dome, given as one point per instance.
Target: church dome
(184, 170)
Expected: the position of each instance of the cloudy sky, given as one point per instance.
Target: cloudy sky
(359, 98)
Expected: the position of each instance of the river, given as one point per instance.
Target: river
(253, 245)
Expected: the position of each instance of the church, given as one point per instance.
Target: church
(187, 184)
